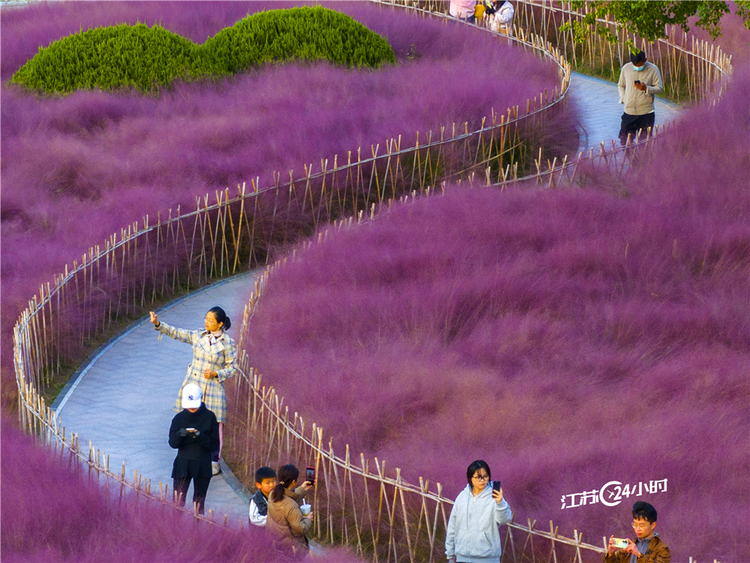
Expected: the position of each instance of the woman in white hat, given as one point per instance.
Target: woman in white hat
(194, 433)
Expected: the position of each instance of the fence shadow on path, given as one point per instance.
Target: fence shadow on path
(142, 266)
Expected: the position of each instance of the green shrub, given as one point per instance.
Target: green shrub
(150, 58)
(111, 57)
(309, 33)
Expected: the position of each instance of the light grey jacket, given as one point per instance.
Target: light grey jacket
(636, 101)
(473, 533)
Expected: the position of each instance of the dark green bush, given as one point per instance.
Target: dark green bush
(310, 33)
(150, 58)
(111, 57)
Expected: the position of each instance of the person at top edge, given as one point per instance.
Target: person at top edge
(499, 15)
(463, 10)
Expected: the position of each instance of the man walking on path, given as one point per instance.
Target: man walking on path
(639, 82)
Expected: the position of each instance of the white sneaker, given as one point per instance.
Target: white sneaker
(215, 468)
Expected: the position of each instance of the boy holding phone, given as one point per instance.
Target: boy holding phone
(647, 547)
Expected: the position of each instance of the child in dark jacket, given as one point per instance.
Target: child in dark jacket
(194, 433)
(265, 481)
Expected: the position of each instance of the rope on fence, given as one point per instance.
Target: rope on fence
(398, 514)
(40, 421)
(142, 265)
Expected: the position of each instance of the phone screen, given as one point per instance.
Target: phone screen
(310, 475)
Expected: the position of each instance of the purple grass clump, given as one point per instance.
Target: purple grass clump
(569, 337)
(53, 513)
(78, 168)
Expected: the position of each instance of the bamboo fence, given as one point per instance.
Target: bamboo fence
(692, 70)
(618, 158)
(119, 280)
(357, 502)
(41, 422)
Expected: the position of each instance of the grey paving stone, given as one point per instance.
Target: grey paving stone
(124, 400)
(599, 110)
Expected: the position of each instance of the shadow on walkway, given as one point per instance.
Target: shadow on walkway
(122, 401)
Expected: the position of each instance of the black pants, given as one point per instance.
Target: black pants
(200, 488)
(632, 123)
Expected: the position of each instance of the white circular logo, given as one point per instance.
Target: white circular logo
(615, 495)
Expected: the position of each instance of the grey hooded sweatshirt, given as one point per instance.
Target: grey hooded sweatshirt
(473, 534)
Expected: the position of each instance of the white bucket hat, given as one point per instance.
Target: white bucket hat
(191, 396)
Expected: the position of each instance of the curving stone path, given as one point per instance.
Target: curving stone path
(600, 112)
(122, 399)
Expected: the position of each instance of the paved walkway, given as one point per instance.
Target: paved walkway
(122, 401)
(600, 112)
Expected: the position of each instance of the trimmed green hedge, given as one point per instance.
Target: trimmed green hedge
(310, 33)
(111, 57)
(150, 58)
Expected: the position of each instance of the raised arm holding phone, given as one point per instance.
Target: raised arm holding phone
(214, 360)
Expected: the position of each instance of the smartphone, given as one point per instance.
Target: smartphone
(310, 475)
(637, 82)
(619, 543)
(495, 485)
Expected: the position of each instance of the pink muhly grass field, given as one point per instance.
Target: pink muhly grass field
(53, 514)
(569, 337)
(78, 168)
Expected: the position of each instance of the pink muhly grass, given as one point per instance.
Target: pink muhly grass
(78, 168)
(568, 337)
(53, 513)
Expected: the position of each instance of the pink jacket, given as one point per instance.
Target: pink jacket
(462, 8)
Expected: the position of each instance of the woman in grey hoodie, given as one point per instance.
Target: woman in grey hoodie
(473, 534)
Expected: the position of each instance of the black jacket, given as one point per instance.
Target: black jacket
(192, 447)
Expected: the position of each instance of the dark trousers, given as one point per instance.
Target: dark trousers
(470, 19)
(632, 123)
(200, 488)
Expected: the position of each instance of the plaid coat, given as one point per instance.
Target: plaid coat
(218, 354)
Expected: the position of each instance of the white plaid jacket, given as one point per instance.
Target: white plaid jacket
(218, 354)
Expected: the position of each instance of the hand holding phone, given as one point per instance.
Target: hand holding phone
(618, 543)
(497, 494)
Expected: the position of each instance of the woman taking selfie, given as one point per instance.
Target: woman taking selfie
(473, 534)
(214, 360)
(285, 518)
